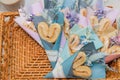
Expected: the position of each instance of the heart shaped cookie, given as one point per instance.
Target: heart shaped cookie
(82, 71)
(79, 69)
(113, 49)
(66, 28)
(106, 43)
(73, 43)
(83, 12)
(49, 33)
(93, 20)
(79, 60)
(104, 24)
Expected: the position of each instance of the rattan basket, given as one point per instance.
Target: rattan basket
(21, 58)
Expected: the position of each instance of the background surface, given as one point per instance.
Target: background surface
(27, 3)
(114, 3)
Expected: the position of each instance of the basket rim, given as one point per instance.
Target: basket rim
(9, 13)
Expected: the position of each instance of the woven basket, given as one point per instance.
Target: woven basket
(21, 58)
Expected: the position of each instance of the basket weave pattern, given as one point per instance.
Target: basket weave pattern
(21, 58)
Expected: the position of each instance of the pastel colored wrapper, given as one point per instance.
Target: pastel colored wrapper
(62, 43)
(83, 21)
(82, 31)
(47, 4)
(85, 4)
(100, 5)
(58, 53)
(113, 15)
(34, 35)
(81, 4)
(97, 67)
(49, 46)
(63, 40)
(65, 11)
(68, 3)
(64, 69)
(52, 54)
(36, 20)
(37, 8)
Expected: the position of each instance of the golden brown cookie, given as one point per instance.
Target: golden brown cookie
(105, 38)
(115, 25)
(110, 6)
(83, 12)
(66, 28)
(73, 43)
(79, 69)
(79, 60)
(82, 71)
(93, 20)
(104, 24)
(105, 27)
(113, 49)
(106, 42)
(49, 33)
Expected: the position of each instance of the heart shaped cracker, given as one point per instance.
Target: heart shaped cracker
(49, 33)
(78, 68)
